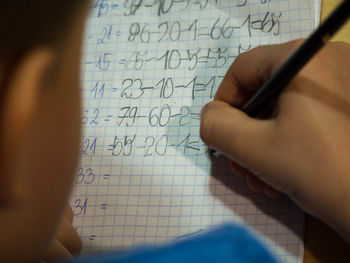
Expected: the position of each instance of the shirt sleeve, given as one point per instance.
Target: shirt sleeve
(228, 243)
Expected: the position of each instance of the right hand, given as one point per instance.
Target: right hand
(303, 149)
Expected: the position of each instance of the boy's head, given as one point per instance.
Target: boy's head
(40, 119)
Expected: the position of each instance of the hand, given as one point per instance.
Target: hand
(67, 242)
(303, 149)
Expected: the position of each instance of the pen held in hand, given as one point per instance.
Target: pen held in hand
(274, 86)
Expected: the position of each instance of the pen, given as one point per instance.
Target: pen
(297, 61)
(274, 86)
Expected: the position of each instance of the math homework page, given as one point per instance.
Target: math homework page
(148, 68)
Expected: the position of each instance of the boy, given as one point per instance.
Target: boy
(302, 150)
(39, 72)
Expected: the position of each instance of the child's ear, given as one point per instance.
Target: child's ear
(19, 107)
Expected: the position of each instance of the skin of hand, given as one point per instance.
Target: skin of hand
(302, 149)
(67, 242)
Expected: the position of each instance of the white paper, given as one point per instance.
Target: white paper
(149, 66)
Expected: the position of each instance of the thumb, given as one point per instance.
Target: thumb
(248, 142)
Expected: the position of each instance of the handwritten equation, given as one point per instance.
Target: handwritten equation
(149, 67)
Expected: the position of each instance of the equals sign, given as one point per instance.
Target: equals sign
(119, 33)
(104, 206)
(114, 6)
(106, 176)
(122, 61)
(114, 90)
(201, 31)
(195, 116)
(92, 237)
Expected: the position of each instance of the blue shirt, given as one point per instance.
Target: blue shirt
(228, 243)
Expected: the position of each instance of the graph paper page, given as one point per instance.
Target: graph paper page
(148, 68)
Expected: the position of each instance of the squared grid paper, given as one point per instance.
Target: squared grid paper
(146, 177)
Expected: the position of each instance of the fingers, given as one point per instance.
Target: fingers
(67, 241)
(57, 252)
(272, 192)
(66, 244)
(258, 186)
(250, 143)
(254, 183)
(243, 139)
(238, 170)
(251, 70)
(244, 77)
(68, 236)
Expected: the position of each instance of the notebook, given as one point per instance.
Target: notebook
(148, 68)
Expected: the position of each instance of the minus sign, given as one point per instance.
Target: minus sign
(203, 35)
(150, 59)
(141, 147)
